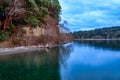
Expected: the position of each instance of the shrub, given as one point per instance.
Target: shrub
(32, 21)
(4, 36)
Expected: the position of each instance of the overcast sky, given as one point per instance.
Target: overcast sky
(90, 14)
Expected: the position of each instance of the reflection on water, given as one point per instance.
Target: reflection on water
(92, 60)
(103, 44)
(64, 53)
(79, 60)
(37, 65)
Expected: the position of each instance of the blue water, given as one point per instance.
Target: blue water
(92, 60)
(78, 60)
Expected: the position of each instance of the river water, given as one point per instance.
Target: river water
(78, 60)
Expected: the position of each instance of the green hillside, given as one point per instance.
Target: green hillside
(102, 33)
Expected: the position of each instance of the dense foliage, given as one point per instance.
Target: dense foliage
(31, 12)
(14, 13)
(103, 33)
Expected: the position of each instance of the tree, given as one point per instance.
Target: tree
(11, 11)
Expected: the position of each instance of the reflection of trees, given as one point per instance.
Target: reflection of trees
(36, 65)
(104, 44)
(65, 51)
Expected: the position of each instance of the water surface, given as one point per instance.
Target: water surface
(79, 60)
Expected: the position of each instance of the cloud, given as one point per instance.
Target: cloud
(90, 14)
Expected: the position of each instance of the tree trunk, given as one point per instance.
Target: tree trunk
(8, 17)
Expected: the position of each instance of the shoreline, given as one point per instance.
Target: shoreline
(95, 39)
(21, 49)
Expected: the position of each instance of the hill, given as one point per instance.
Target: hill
(102, 33)
(29, 22)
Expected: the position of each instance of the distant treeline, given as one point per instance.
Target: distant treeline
(102, 33)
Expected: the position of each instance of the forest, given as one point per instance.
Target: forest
(102, 33)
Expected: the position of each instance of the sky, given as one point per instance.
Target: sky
(90, 14)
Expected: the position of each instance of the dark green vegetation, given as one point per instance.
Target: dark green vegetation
(103, 33)
(17, 13)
